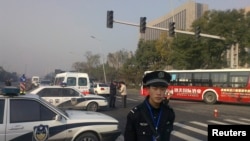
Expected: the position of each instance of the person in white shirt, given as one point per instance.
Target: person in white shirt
(123, 92)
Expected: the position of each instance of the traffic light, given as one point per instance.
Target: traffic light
(110, 19)
(143, 24)
(197, 32)
(171, 29)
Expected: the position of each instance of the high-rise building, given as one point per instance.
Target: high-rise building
(183, 17)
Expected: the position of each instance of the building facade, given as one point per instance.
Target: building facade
(183, 17)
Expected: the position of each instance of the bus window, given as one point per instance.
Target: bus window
(173, 79)
(219, 79)
(184, 79)
(201, 79)
(238, 80)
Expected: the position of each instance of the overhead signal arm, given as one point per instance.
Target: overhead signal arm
(164, 29)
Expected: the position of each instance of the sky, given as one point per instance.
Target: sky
(39, 36)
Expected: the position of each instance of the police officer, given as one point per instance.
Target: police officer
(22, 84)
(112, 95)
(153, 119)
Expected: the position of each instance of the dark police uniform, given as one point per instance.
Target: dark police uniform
(145, 123)
(112, 96)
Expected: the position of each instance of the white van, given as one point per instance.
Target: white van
(35, 80)
(77, 80)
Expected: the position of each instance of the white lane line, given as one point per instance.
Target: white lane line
(236, 121)
(217, 122)
(184, 136)
(245, 119)
(191, 128)
(199, 123)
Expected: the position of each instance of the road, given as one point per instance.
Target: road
(192, 118)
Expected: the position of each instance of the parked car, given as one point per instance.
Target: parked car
(70, 98)
(100, 89)
(29, 117)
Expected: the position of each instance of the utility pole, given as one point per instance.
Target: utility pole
(103, 67)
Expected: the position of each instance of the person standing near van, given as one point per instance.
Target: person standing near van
(112, 95)
(123, 92)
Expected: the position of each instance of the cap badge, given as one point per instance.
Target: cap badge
(161, 75)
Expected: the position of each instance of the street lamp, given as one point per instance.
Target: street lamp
(103, 67)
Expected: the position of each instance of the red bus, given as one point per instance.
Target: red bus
(210, 85)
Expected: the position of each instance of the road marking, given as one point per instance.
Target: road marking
(127, 98)
(244, 119)
(191, 128)
(236, 121)
(217, 122)
(184, 136)
(199, 123)
(132, 99)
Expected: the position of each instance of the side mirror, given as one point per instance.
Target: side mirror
(58, 117)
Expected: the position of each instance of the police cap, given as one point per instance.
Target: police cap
(157, 78)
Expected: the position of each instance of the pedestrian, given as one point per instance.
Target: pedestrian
(112, 94)
(153, 119)
(22, 84)
(123, 92)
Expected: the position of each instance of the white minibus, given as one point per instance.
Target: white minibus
(77, 80)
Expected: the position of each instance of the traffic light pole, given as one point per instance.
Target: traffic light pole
(177, 31)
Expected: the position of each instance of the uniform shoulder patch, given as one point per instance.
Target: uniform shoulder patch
(133, 110)
(136, 108)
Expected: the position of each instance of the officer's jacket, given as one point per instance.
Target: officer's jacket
(138, 129)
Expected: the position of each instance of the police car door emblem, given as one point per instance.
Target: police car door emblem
(41, 132)
(73, 101)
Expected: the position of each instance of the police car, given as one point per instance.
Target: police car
(30, 118)
(70, 98)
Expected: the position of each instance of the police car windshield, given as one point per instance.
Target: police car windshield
(58, 109)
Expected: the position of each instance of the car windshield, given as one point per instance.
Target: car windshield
(45, 82)
(103, 85)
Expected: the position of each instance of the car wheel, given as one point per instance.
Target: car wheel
(87, 137)
(92, 106)
(210, 98)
